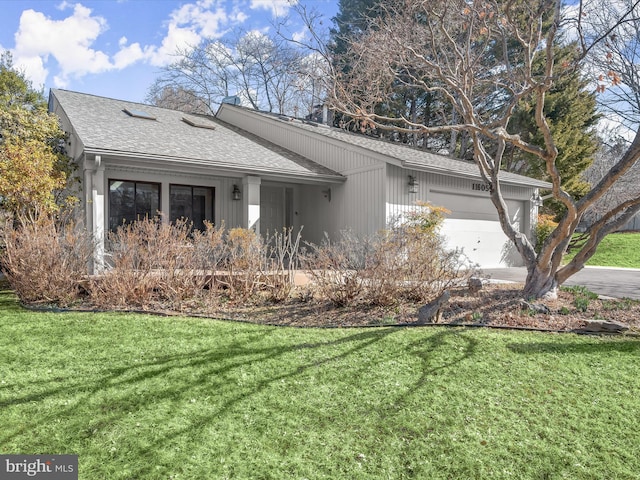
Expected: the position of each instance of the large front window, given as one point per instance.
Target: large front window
(131, 201)
(191, 203)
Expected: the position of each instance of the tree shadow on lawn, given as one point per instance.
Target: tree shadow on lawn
(357, 342)
(424, 350)
(601, 346)
(122, 390)
(112, 394)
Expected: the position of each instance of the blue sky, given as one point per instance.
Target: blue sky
(116, 48)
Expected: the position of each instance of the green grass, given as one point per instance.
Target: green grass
(146, 397)
(616, 250)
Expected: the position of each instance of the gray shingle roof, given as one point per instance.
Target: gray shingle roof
(103, 127)
(409, 157)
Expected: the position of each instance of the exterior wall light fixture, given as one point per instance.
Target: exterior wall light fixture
(537, 200)
(235, 193)
(413, 184)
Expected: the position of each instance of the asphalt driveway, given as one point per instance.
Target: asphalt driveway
(610, 282)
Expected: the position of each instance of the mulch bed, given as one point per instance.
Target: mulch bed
(496, 305)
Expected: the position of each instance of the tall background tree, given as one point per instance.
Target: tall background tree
(176, 97)
(571, 112)
(264, 71)
(487, 60)
(351, 24)
(570, 106)
(33, 164)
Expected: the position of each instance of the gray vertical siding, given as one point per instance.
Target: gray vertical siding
(356, 205)
(397, 186)
(227, 209)
(364, 200)
(326, 151)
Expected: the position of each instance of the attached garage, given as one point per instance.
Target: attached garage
(473, 225)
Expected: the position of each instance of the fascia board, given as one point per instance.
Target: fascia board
(526, 182)
(155, 162)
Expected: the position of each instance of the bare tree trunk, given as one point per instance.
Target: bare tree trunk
(540, 283)
(443, 49)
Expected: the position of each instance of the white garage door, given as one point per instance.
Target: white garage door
(473, 226)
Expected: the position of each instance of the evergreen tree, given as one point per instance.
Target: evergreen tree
(354, 19)
(351, 21)
(571, 112)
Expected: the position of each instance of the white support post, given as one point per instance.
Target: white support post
(251, 203)
(94, 196)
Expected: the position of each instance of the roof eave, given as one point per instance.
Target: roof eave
(526, 181)
(150, 160)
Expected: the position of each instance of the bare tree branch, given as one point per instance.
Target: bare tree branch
(479, 58)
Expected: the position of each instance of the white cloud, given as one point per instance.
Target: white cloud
(177, 38)
(202, 16)
(187, 26)
(68, 41)
(238, 16)
(278, 7)
(128, 55)
(71, 41)
(64, 5)
(300, 35)
(34, 70)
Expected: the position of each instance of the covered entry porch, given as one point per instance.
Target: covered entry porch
(116, 195)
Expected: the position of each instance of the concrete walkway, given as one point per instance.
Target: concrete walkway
(611, 282)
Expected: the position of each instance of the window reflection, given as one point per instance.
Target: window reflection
(192, 203)
(131, 201)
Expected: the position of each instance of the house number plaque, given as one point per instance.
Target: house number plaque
(481, 187)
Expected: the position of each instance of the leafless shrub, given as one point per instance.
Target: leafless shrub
(336, 268)
(181, 271)
(407, 262)
(210, 250)
(45, 259)
(153, 263)
(282, 262)
(412, 253)
(128, 281)
(244, 264)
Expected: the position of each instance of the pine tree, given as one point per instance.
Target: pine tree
(354, 19)
(571, 113)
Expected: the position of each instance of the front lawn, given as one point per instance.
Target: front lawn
(616, 250)
(148, 397)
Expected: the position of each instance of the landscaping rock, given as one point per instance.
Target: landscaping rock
(474, 284)
(604, 326)
(431, 312)
(535, 307)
